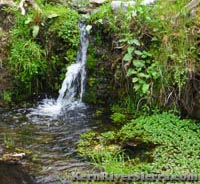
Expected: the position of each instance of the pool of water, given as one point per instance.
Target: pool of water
(50, 142)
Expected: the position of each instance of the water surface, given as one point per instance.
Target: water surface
(52, 141)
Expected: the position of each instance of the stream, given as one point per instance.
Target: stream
(52, 142)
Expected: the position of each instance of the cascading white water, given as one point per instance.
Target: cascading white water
(73, 86)
(74, 83)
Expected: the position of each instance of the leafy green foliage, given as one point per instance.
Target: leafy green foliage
(27, 62)
(35, 31)
(94, 145)
(118, 163)
(118, 117)
(26, 59)
(169, 39)
(143, 71)
(40, 46)
(7, 97)
(64, 23)
(177, 149)
(109, 136)
(87, 139)
(178, 140)
(104, 13)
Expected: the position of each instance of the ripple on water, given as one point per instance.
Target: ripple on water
(52, 141)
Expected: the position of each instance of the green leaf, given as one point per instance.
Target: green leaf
(147, 53)
(155, 75)
(128, 57)
(35, 31)
(138, 63)
(134, 41)
(141, 81)
(136, 87)
(145, 88)
(29, 20)
(131, 72)
(154, 39)
(52, 16)
(100, 21)
(155, 29)
(137, 52)
(123, 40)
(134, 79)
(130, 50)
(142, 75)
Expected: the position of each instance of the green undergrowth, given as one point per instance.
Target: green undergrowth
(177, 139)
(26, 59)
(42, 45)
(156, 49)
(65, 22)
(176, 148)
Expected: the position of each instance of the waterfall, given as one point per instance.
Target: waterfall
(73, 86)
